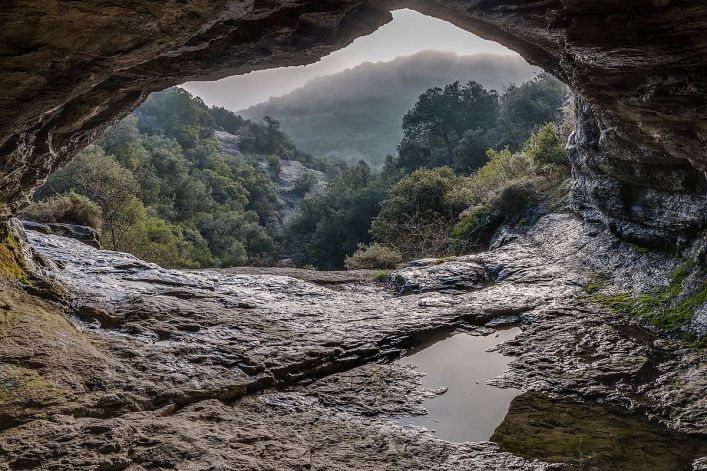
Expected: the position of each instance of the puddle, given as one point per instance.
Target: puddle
(583, 436)
(593, 437)
(470, 410)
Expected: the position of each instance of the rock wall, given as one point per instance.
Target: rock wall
(639, 66)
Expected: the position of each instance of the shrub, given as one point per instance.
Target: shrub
(70, 208)
(374, 256)
(475, 227)
(545, 148)
(483, 186)
(305, 183)
(417, 216)
(514, 198)
(274, 164)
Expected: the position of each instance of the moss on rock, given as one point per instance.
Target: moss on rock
(664, 309)
(12, 262)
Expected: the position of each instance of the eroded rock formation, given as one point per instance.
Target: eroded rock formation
(163, 369)
(639, 67)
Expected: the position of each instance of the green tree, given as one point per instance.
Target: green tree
(545, 148)
(525, 107)
(330, 226)
(103, 180)
(418, 213)
(435, 127)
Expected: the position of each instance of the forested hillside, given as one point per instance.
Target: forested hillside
(185, 185)
(470, 160)
(357, 114)
(182, 184)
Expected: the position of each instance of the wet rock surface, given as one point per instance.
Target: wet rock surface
(453, 275)
(84, 234)
(301, 429)
(158, 368)
(593, 436)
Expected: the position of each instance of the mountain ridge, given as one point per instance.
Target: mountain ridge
(354, 115)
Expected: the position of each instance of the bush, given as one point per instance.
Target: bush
(275, 164)
(483, 186)
(417, 216)
(374, 256)
(545, 148)
(70, 208)
(475, 228)
(514, 198)
(305, 183)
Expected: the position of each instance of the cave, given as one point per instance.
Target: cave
(117, 363)
(638, 150)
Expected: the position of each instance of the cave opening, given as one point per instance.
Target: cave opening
(176, 357)
(296, 132)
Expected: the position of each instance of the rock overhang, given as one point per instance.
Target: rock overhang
(638, 67)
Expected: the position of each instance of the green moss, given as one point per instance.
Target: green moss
(596, 283)
(640, 249)
(657, 308)
(12, 262)
(17, 383)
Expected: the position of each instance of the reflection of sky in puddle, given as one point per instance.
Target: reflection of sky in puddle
(470, 410)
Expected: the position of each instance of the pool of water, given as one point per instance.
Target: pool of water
(585, 436)
(470, 409)
(593, 437)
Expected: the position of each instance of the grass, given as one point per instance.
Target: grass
(657, 308)
(382, 275)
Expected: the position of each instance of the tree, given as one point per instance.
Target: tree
(525, 107)
(418, 213)
(330, 226)
(103, 180)
(545, 148)
(435, 127)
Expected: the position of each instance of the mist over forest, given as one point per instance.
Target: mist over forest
(357, 114)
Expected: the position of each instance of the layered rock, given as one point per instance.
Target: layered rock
(639, 66)
(161, 368)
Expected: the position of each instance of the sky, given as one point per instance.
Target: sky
(408, 33)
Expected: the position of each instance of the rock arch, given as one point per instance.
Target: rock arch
(639, 68)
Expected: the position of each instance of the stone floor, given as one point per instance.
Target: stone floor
(166, 369)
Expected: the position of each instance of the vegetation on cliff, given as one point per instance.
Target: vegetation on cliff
(158, 185)
(12, 262)
(446, 166)
(669, 309)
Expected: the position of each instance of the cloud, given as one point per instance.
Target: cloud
(408, 33)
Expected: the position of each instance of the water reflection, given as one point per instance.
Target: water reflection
(590, 436)
(470, 410)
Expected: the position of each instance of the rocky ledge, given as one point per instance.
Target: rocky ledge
(132, 366)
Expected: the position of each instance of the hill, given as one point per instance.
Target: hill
(357, 114)
(184, 185)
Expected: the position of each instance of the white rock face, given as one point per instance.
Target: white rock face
(285, 182)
